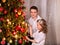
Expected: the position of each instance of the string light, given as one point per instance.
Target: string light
(10, 41)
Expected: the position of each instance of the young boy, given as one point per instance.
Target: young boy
(33, 19)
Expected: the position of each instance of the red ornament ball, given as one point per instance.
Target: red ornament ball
(3, 42)
(15, 10)
(1, 9)
(24, 37)
(5, 11)
(16, 15)
(1, 19)
(14, 33)
(18, 27)
(22, 30)
(20, 41)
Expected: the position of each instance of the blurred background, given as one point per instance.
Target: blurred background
(50, 11)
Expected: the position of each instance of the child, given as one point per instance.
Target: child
(33, 19)
(40, 35)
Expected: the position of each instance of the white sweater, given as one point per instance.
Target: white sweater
(39, 37)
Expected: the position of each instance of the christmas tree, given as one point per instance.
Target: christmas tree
(13, 27)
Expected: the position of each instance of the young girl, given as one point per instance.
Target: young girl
(40, 35)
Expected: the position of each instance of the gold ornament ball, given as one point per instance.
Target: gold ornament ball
(19, 13)
(16, 36)
(23, 22)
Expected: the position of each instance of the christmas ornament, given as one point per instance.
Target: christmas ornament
(10, 41)
(8, 20)
(9, 23)
(14, 33)
(16, 15)
(15, 10)
(8, 4)
(1, 19)
(1, 9)
(19, 12)
(5, 11)
(4, 38)
(22, 30)
(16, 36)
(3, 1)
(20, 41)
(24, 38)
(18, 27)
(23, 22)
(3, 42)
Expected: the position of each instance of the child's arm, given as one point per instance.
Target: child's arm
(32, 40)
(37, 40)
(30, 30)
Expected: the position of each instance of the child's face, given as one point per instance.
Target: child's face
(33, 13)
(39, 27)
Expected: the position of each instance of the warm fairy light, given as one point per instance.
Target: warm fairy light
(4, 38)
(19, 13)
(8, 4)
(10, 41)
(26, 24)
(16, 36)
(8, 20)
(9, 23)
(0, 4)
(23, 22)
(13, 23)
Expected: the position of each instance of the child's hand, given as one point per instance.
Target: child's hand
(27, 37)
(30, 27)
(32, 40)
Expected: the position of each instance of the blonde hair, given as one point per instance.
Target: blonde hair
(42, 22)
